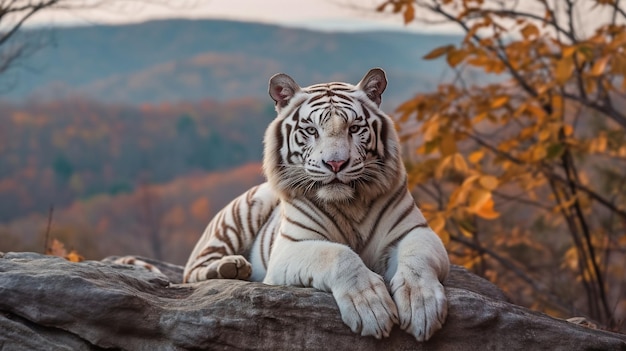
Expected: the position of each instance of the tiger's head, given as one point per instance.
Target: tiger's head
(330, 142)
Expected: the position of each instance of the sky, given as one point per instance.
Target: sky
(314, 14)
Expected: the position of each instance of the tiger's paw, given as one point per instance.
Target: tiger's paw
(234, 267)
(421, 302)
(366, 306)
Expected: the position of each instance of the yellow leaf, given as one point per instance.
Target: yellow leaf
(458, 196)
(455, 57)
(448, 145)
(438, 52)
(599, 66)
(469, 181)
(488, 182)
(459, 164)
(477, 199)
(480, 61)
(442, 166)
(563, 70)
(557, 105)
(430, 129)
(486, 211)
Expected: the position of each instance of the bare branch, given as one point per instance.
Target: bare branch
(509, 265)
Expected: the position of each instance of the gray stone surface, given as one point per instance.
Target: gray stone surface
(47, 303)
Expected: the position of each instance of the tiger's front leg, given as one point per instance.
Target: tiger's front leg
(362, 296)
(419, 265)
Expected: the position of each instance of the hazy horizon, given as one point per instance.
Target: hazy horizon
(326, 15)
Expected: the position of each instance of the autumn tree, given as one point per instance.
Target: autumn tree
(519, 160)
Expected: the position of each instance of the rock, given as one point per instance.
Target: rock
(47, 303)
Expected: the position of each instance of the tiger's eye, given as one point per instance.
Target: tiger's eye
(311, 130)
(354, 128)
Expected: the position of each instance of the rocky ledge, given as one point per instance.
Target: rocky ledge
(48, 303)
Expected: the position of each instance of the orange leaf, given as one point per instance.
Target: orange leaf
(448, 145)
(544, 134)
(539, 153)
(486, 211)
(476, 156)
(488, 182)
(599, 66)
(438, 52)
(455, 57)
(56, 249)
(563, 70)
(478, 198)
(73, 256)
(409, 13)
(382, 6)
(530, 30)
(568, 51)
(536, 111)
(568, 130)
(499, 101)
(459, 164)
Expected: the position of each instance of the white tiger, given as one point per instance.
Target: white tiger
(334, 215)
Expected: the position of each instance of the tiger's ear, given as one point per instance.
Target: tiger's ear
(282, 89)
(374, 84)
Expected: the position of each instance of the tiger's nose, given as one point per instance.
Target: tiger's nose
(336, 166)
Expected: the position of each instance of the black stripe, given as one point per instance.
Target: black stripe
(262, 243)
(405, 213)
(237, 214)
(272, 238)
(306, 227)
(391, 201)
(223, 236)
(290, 238)
(316, 97)
(212, 249)
(306, 213)
(401, 236)
(332, 220)
(250, 203)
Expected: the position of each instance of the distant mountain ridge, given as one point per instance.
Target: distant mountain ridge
(172, 60)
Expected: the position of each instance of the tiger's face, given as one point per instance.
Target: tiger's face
(330, 141)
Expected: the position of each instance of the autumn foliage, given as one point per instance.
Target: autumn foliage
(161, 221)
(519, 161)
